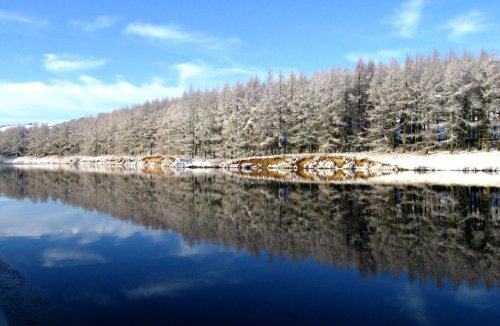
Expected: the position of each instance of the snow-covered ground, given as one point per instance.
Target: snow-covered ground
(75, 160)
(189, 163)
(442, 161)
(465, 161)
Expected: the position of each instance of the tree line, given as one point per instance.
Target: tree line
(426, 103)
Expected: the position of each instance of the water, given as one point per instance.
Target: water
(127, 248)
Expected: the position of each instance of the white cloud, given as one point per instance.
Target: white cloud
(20, 18)
(407, 17)
(170, 33)
(189, 70)
(200, 74)
(470, 22)
(58, 100)
(96, 24)
(379, 55)
(61, 100)
(177, 35)
(69, 62)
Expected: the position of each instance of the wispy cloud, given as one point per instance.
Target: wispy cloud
(177, 35)
(20, 18)
(407, 17)
(167, 32)
(96, 24)
(471, 22)
(70, 62)
(379, 55)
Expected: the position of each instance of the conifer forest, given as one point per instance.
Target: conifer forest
(427, 103)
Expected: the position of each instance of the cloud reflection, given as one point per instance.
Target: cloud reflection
(477, 298)
(186, 249)
(164, 289)
(57, 258)
(19, 219)
(413, 304)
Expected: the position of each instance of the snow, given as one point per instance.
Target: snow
(184, 163)
(124, 161)
(3, 128)
(442, 161)
(464, 161)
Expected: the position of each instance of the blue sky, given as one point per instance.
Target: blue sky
(61, 60)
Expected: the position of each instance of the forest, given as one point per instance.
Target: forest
(444, 234)
(425, 104)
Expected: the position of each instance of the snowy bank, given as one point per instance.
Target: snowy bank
(133, 162)
(367, 161)
(190, 163)
(440, 161)
(345, 162)
(464, 161)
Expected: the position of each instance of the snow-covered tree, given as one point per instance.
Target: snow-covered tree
(423, 104)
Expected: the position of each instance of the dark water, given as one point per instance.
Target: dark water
(96, 248)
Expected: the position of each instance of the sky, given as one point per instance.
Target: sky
(61, 60)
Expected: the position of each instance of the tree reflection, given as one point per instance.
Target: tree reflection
(430, 232)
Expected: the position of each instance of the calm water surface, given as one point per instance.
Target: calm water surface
(88, 248)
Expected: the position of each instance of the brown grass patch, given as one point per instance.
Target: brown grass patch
(153, 159)
(302, 162)
(362, 162)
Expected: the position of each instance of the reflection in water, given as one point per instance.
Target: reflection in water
(430, 232)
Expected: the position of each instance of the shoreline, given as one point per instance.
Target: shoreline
(415, 178)
(363, 161)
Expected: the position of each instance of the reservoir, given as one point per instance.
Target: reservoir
(194, 247)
